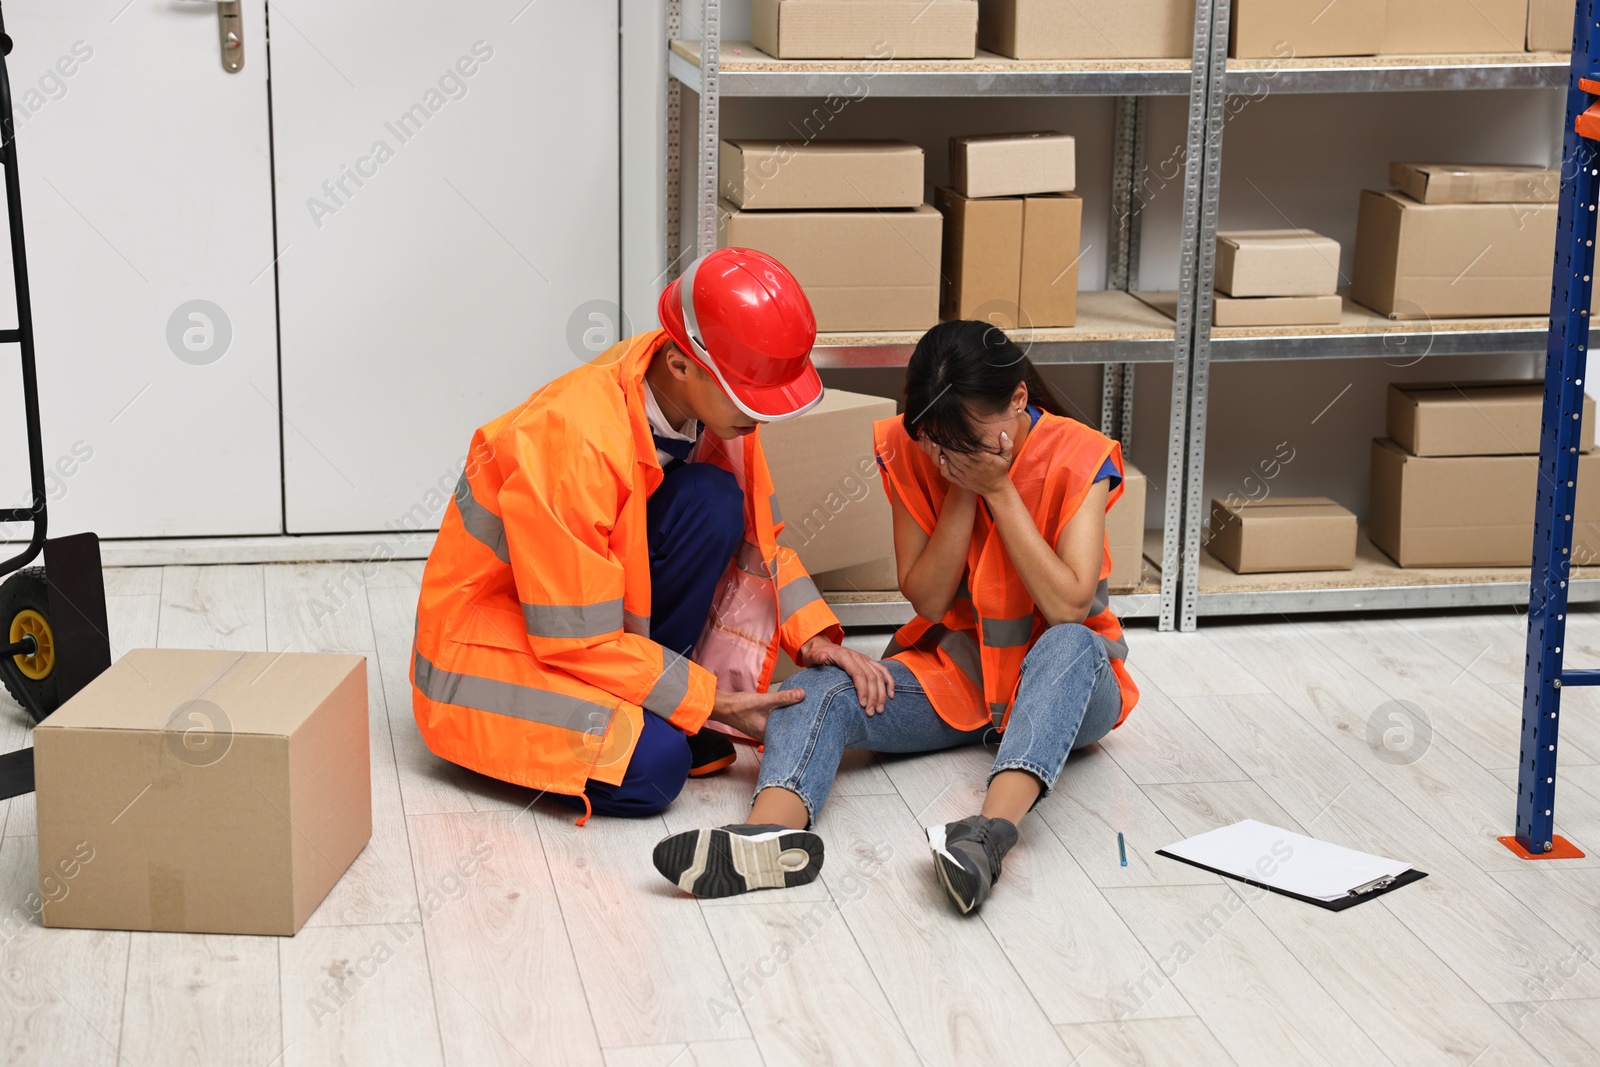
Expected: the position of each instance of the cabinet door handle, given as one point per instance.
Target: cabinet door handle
(230, 34)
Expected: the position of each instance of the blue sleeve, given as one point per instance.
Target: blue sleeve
(1108, 469)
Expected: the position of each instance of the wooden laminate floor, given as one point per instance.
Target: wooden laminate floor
(564, 946)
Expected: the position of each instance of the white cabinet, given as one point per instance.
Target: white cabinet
(447, 197)
(146, 190)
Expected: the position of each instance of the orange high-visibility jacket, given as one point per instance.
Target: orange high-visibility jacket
(532, 659)
(970, 662)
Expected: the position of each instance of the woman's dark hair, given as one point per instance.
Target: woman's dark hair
(961, 365)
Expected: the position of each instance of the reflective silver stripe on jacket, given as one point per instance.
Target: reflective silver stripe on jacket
(772, 505)
(1115, 648)
(508, 698)
(573, 620)
(671, 687)
(959, 645)
(796, 595)
(483, 524)
(997, 714)
(636, 624)
(1007, 633)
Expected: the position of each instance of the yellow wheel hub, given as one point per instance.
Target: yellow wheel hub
(39, 665)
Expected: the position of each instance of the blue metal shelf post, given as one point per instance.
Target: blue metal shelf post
(1571, 289)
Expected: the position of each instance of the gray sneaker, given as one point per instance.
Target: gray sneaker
(728, 860)
(967, 856)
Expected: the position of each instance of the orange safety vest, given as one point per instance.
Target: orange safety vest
(532, 660)
(970, 662)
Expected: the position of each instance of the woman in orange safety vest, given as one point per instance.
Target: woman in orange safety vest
(999, 504)
(607, 577)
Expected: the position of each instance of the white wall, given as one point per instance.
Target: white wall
(1289, 160)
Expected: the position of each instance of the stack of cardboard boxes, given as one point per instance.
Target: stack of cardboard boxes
(1012, 229)
(848, 220)
(1457, 240)
(1276, 278)
(1152, 29)
(1453, 485)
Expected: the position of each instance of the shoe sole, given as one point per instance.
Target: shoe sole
(714, 766)
(718, 863)
(960, 884)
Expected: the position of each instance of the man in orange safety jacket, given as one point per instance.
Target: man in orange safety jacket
(607, 578)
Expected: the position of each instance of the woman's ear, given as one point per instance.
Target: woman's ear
(1019, 397)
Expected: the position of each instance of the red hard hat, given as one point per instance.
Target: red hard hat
(742, 316)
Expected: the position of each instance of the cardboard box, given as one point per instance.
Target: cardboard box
(1276, 263)
(1550, 25)
(821, 174)
(1125, 530)
(1432, 26)
(865, 29)
(1052, 231)
(203, 791)
(1012, 261)
(1435, 260)
(1087, 29)
(1013, 164)
(1275, 310)
(1469, 511)
(1473, 418)
(861, 270)
(982, 258)
(879, 575)
(1476, 183)
(1281, 29)
(1290, 533)
(834, 509)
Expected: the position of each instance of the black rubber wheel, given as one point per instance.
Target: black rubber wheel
(26, 594)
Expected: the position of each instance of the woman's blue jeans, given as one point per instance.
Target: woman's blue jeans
(1068, 698)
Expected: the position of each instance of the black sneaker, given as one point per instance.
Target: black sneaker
(967, 856)
(729, 860)
(710, 751)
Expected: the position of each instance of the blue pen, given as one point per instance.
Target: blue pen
(1122, 849)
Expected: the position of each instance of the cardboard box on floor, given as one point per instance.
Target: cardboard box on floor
(1473, 418)
(821, 174)
(1469, 511)
(1279, 29)
(1550, 25)
(1274, 310)
(1012, 261)
(863, 271)
(203, 791)
(1013, 164)
(1434, 26)
(1125, 530)
(1088, 29)
(1476, 183)
(1276, 263)
(1279, 534)
(834, 509)
(865, 29)
(1437, 260)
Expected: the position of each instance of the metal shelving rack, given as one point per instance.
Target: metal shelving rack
(1136, 334)
(1361, 334)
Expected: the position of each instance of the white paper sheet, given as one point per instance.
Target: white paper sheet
(1286, 860)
